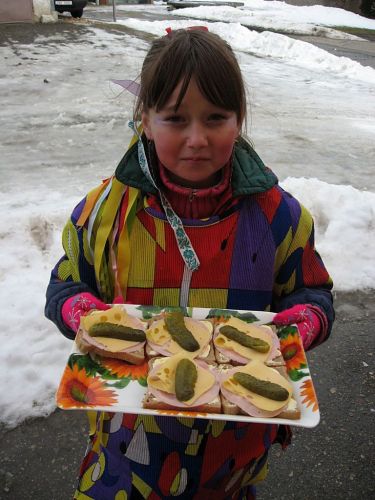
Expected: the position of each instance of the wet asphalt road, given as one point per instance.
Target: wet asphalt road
(334, 461)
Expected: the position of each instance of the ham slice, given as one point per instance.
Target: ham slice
(116, 315)
(244, 403)
(89, 340)
(235, 356)
(171, 399)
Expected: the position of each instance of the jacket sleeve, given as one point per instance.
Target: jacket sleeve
(74, 272)
(301, 277)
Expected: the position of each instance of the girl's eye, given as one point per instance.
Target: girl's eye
(174, 119)
(216, 117)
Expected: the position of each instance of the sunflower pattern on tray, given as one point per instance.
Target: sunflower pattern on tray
(296, 364)
(89, 383)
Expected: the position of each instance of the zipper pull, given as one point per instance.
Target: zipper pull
(192, 194)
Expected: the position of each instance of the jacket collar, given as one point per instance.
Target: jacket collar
(249, 175)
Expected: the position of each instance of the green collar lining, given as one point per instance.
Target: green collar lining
(249, 176)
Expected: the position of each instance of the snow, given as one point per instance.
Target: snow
(63, 129)
(267, 44)
(279, 16)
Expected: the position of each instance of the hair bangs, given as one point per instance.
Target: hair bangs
(184, 54)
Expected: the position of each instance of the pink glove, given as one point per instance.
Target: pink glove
(79, 305)
(310, 320)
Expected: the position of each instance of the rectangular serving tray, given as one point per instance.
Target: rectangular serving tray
(94, 383)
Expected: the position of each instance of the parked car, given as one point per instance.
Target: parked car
(75, 7)
(368, 8)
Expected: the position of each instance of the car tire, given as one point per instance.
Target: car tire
(77, 13)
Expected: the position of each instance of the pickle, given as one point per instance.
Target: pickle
(115, 331)
(176, 327)
(185, 379)
(246, 340)
(264, 388)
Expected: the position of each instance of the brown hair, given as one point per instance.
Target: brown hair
(179, 56)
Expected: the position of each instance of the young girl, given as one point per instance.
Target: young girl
(191, 217)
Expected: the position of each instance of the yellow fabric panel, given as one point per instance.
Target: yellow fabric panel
(303, 231)
(261, 476)
(141, 272)
(208, 297)
(193, 448)
(121, 495)
(81, 496)
(86, 248)
(141, 486)
(123, 252)
(64, 271)
(282, 251)
(108, 217)
(71, 247)
(217, 427)
(186, 421)
(149, 423)
(160, 233)
(91, 415)
(92, 473)
(289, 286)
(167, 297)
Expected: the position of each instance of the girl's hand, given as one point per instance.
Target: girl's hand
(79, 305)
(309, 319)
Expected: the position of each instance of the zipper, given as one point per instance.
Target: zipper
(192, 194)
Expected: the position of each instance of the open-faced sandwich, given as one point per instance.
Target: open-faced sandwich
(181, 382)
(113, 333)
(237, 342)
(174, 333)
(257, 390)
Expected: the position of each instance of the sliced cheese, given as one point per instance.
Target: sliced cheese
(116, 315)
(114, 345)
(261, 372)
(159, 335)
(162, 377)
(261, 332)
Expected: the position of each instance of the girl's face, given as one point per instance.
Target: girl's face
(194, 142)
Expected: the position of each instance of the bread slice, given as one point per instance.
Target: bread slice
(223, 359)
(153, 403)
(291, 412)
(277, 361)
(136, 357)
(208, 355)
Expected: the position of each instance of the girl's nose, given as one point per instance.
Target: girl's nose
(197, 136)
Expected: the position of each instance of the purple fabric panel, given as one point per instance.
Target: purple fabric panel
(254, 251)
(295, 209)
(78, 210)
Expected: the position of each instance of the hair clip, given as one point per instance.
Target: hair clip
(199, 28)
(129, 85)
(189, 28)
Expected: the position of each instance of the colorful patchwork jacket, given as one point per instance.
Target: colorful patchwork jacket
(257, 255)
